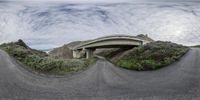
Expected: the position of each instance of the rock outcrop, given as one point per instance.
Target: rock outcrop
(64, 52)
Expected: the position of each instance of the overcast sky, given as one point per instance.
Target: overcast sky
(47, 24)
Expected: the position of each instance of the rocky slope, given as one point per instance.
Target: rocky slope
(64, 52)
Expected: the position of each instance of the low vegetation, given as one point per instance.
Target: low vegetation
(51, 65)
(152, 56)
(196, 46)
(41, 62)
(110, 53)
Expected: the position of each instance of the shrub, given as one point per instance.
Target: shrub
(39, 61)
(152, 56)
(47, 64)
(130, 64)
(150, 64)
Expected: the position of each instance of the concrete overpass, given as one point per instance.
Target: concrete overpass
(117, 41)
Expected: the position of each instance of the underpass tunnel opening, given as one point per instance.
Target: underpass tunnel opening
(107, 51)
(102, 50)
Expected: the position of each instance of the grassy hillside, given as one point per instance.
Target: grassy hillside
(40, 61)
(196, 46)
(152, 56)
(108, 53)
(111, 53)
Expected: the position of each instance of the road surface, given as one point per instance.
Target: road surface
(104, 81)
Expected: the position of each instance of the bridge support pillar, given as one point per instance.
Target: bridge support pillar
(89, 53)
(76, 53)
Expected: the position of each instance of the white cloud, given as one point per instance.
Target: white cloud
(44, 25)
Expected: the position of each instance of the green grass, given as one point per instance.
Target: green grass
(152, 56)
(109, 53)
(41, 62)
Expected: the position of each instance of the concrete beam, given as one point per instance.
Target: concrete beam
(111, 43)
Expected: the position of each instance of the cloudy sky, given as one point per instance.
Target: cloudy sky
(47, 24)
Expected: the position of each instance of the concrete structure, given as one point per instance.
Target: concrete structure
(118, 41)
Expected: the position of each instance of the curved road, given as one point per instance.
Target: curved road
(179, 81)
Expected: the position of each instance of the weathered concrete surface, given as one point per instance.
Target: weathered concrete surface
(180, 81)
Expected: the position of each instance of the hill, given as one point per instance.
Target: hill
(64, 52)
(19, 47)
(197, 46)
(151, 56)
(41, 62)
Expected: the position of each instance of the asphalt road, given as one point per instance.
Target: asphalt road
(102, 81)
